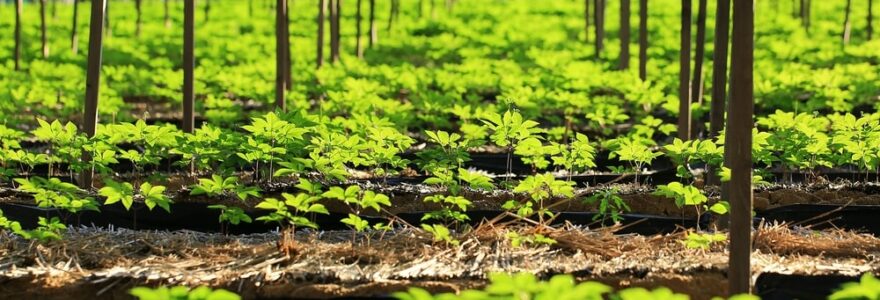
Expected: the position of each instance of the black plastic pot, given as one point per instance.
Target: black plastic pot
(774, 286)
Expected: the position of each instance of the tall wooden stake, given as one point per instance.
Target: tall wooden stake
(870, 28)
(643, 39)
(374, 30)
(699, 54)
(359, 47)
(18, 5)
(334, 30)
(288, 78)
(587, 20)
(624, 34)
(684, 88)
(93, 81)
(846, 24)
(137, 22)
(189, 36)
(738, 140)
(280, 52)
(322, 7)
(43, 43)
(74, 39)
(719, 78)
(599, 15)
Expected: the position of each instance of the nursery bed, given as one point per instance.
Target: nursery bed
(103, 264)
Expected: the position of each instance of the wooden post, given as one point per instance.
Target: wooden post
(719, 78)
(189, 96)
(43, 43)
(322, 7)
(624, 35)
(738, 141)
(870, 28)
(684, 88)
(846, 25)
(18, 5)
(280, 52)
(335, 15)
(643, 39)
(587, 20)
(74, 39)
(599, 15)
(374, 31)
(699, 54)
(137, 20)
(359, 47)
(393, 14)
(288, 78)
(93, 81)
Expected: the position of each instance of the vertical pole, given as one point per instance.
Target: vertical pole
(643, 39)
(719, 67)
(870, 19)
(359, 47)
(684, 88)
(137, 21)
(280, 52)
(288, 79)
(624, 34)
(374, 31)
(599, 15)
(846, 25)
(322, 7)
(739, 143)
(391, 16)
(43, 44)
(719, 75)
(335, 10)
(93, 81)
(699, 54)
(587, 20)
(189, 20)
(18, 5)
(74, 39)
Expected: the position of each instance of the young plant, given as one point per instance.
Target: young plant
(688, 195)
(576, 156)
(124, 192)
(453, 205)
(382, 149)
(358, 200)
(610, 204)
(64, 143)
(702, 241)
(270, 138)
(441, 234)
(54, 193)
(293, 210)
(517, 240)
(508, 130)
(217, 186)
(539, 188)
(636, 152)
(231, 215)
